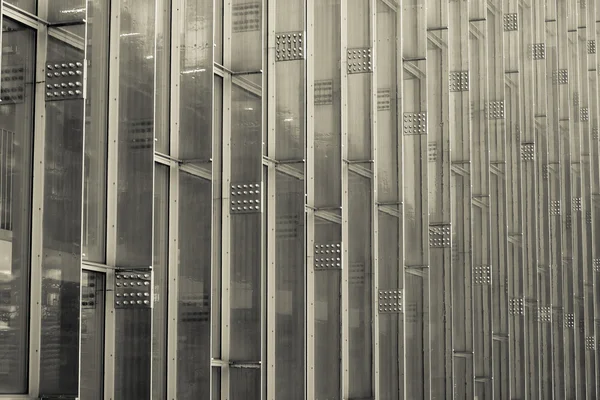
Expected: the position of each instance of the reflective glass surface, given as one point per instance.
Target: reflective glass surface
(16, 150)
(92, 335)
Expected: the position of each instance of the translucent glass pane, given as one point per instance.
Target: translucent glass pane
(218, 7)
(94, 197)
(66, 10)
(359, 292)
(246, 38)
(415, 319)
(193, 328)
(290, 275)
(61, 265)
(245, 384)
(92, 335)
(136, 138)
(390, 358)
(327, 319)
(161, 257)
(16, 150)
(327, 104)
(27, 5)
(196, 81)
(163, 76)
(246, 136)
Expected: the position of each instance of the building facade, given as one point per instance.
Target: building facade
(299, 199)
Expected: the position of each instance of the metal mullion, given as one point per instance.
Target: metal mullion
(225, 211)
(529, 204)
(112, 177)
(271, 190)
(344, 305)
(481, 212)
(37, 215)
(173, 207)
(460, 210)
(374, 210)
(24, 17)
(309, 185)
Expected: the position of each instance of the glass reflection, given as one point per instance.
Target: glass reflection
(16, 141)
(27, 5)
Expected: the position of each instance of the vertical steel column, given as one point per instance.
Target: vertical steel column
(560, 78)
(480, 204)
(594, 14)
(225, 215)
(511, 107)
(576, 193)
(498, 204)
(37, 202)
(460, 204)
(587, 73)
(422, 372)
(537, 53)
(529, 186)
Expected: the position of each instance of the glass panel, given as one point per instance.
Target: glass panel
(359, 292)
(193, 329)
(196, 81)
(94, 197)
(163, 76)
(245, 384)
(217, 218)
(246, 229)
(218, 36)
(216, 384)
(387, 121)
(359, 85)
(65, 11)
(327, 318)
(92, 335)
(415, 319)
(16, 150)
(389, 328)
(161, 258)
(61, 266)
(246, 38)
(290, 88)
(27, 5)
(327, 104)
(136, 138)
(290, 273)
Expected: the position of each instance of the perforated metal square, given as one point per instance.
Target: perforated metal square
(287, 226)
(439, 235)
(458, 81)
(359, 60)
(584, 114)
(569, 320)
(383, 99)
(555, 207)
(432, 152)
(482, 274)
(576, 99)
(560, 77)
(545, 172)
(324, 92)
(390, 301)
(289, 46)
(590, 343)
(588, 217)
(415, 123)
(538, 51)
(88, 293)
(582, 3)
(495, 110)
(511, 22)
(12, 90)
(576, 203)
(591, 47)
(246, 17)
(133, 288)
(544, 314)
(515, 306)
(328, 256)
(245, 198)
(527, 151)
(595, 134)
(64, 80)
(596, 264)
(568, 221)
